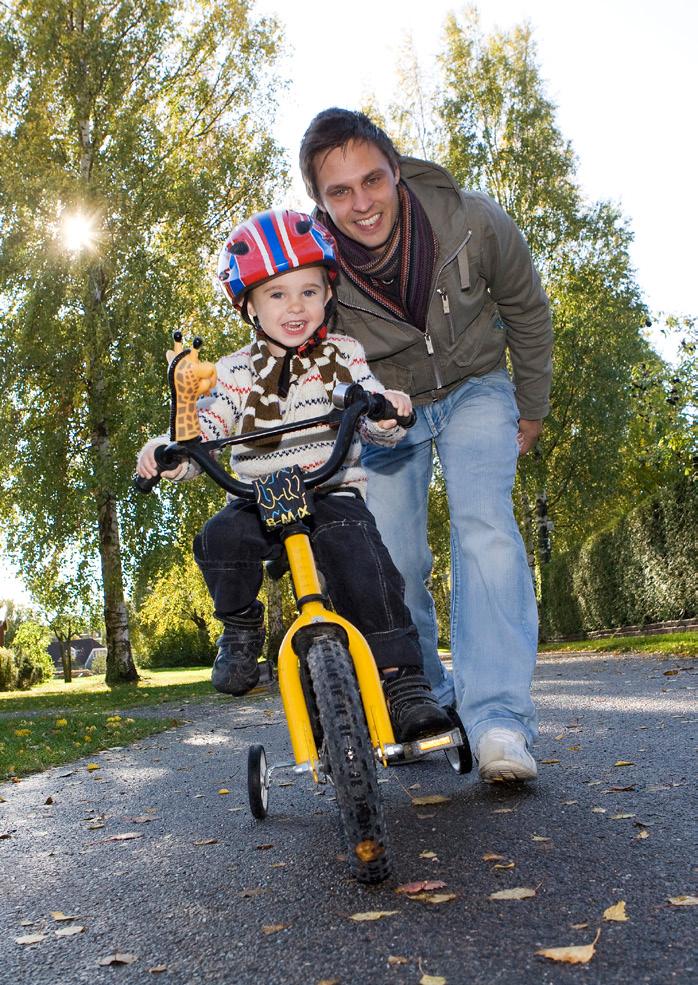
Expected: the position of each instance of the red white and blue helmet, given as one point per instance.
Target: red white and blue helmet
(272, 243)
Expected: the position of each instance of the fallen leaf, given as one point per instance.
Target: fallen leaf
(263, 848)
(4, 835)
(580, 954)
(144, 818)
(434, 798)
(438, 897)
(550, 762)
(505, 865)
(624, 762)
(419, 887)
(540, 838)
(91, 767)
(395, 959)
(683, 900)
(428, 855)
(641, 835)
(281, 865)
(328, 981)
(432, 980)
(620, 789)
(95, 827)
(118, 958)
(274, 928)
(2, 800)
(26, 923)
(250, 893)
(621, 817)
(157, 968)
(223, 791)
(519, 892)
(126, 836)
(504, 810)
(616, 912)
(69, 931)
(568, 803)
(58, 916)
(207, 841)
(492, 857)
(579, 926)
(599, 810)
(30, 939)
(49, 800)
(372, 915)
(574, 748)
(425, 817)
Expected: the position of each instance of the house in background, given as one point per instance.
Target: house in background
(80, 649)
(3, 624)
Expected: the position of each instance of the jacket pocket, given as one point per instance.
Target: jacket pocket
(392, 375)
(483, 340)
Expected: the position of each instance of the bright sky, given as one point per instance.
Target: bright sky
(623, 74)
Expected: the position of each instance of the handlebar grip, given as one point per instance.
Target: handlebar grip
(380, 409)
(145, 485)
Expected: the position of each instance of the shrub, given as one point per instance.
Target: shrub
(32, 660)
(8, 669)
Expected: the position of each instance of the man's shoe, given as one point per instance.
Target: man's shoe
(502, 756)
(235, 669)
(414, 711)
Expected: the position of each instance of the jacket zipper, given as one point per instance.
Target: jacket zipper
(446, 305)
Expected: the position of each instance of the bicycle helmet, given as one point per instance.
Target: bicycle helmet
(272, 243)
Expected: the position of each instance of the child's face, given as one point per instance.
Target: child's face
(291, 306)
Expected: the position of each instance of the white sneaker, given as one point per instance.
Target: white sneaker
(502, 756)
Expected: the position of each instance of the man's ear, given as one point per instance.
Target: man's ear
(397, 173)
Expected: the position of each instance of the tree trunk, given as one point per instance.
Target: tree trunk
(120, 666)
(65, 660)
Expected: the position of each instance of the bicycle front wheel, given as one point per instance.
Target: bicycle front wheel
(351, 761)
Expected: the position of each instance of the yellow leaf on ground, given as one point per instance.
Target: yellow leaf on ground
(580, 954)
(427, 855)
(433, 897)
(616, 912)
(274, 928)
(519, 892)
(419, 887)
(157, 968)
(223, 791)
(432, 980)
(624, 762)
(683, 900)
(69, 931)
(579, 926)
(126, 836)
(434, 798)
(599, 810)
(396, 959)
(540, 838)
(118, 958)
(642, 835)
(492, 857)
(621, 817)
(372, 915)
(58, 915)
(504, 810)
(328, 981)
(92, 766)
(207, 841)
(550, 762)
(505, 865)
(30, 939)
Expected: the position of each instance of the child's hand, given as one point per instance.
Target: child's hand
(402, 404)
(147, 468)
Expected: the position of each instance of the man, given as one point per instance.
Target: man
(437, 285)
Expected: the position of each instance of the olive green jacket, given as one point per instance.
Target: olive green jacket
(486, 295)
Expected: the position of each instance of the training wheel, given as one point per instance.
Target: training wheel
(459, 758)
(258, 781)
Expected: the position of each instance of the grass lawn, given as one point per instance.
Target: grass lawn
(666, 644)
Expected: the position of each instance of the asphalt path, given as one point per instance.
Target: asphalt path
(205, 892)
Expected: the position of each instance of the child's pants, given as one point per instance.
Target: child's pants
(364, 585)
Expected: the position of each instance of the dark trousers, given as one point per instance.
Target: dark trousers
(364, 585)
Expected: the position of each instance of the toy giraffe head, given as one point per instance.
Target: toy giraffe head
(189, 379)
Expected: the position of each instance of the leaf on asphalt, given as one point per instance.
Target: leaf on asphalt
(621, 817)
(437, 897)
(49, 800)
(30, 939)
(580, 954)
(118, 958)
(420, 887)
(144, 818)
(550, 762)
(58, 916)
(95, 827)
(26, 923)
(579, 926)
(432, 980)
(250, 893)
(4, 835)
(69, 931)
(683, 900)
(281, 865)
(434, 798)
(396, 959)
(126, 836)
(425, 817)
(263, 848)
(492, 857)
(568, 803)
(616, 912)
(620, 789)
(91, 767)
(328, 981)
(504, 810)
(540, 838)
(599, 810)
(207, 841)
(157, 968)
(504, 865)
(372, 915)
(431, 855)
(274, 928)
(519, 892)
(624, 762)
(223, 791)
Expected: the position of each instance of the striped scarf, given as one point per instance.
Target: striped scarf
(263, 406)
(406, 262)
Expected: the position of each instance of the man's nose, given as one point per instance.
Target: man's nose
(362, 200)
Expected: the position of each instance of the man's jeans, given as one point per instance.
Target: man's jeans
(494, 623)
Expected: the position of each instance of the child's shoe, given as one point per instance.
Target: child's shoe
(414, 711)
(236, 670)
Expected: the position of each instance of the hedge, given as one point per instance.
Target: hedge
(643, 568)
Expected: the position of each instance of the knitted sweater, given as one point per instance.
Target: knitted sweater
(220, 416)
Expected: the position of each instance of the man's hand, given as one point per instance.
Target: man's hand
(529, 433)
(402, 404)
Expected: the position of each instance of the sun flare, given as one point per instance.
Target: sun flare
(78, 232)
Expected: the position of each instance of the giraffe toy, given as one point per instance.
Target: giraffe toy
(189, 379)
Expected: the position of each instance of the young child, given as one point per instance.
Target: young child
(278, 268)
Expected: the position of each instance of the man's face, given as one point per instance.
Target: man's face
(357, 187)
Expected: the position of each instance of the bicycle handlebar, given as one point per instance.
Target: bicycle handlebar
(351, 399)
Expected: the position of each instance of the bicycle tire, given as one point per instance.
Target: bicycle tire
(257, 782)
(351, 759)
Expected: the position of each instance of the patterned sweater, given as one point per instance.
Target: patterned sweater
(220, 416)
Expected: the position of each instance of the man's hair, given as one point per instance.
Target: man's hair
(334, 128)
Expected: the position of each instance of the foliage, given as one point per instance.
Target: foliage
(8, 669)
(34, 665)
(138, 118)
(642, 568)
(668, 644)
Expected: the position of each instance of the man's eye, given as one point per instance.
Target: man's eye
(338, 192)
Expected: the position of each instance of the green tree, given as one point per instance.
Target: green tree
(34, 664)
(131, 135)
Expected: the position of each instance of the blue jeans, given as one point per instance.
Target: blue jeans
(494, 622)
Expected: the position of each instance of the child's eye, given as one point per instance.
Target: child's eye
(276, 295)
(310, 292)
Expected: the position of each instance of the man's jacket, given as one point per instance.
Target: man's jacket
(486, 295)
